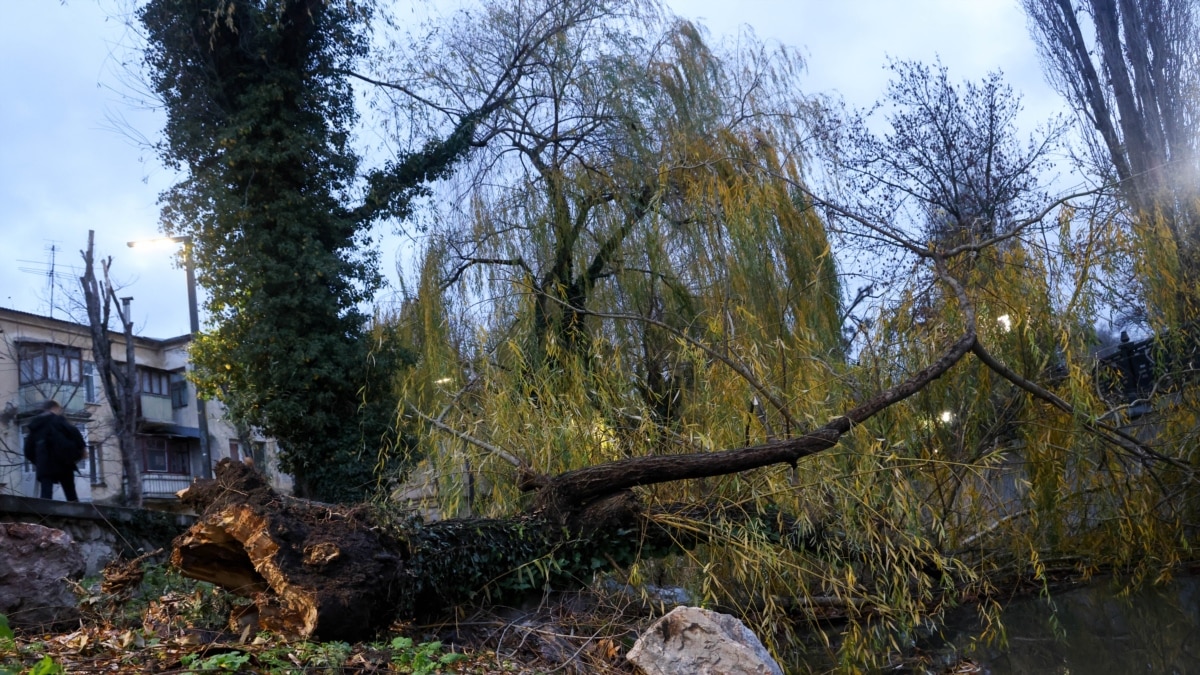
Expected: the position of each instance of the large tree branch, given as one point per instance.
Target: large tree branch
(1105, 431)
(572, 489)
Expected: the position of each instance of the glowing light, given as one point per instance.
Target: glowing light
(1005, 322)
(946, 417)
(444, 380)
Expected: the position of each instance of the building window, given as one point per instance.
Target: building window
(151, 381)
(49, 363)
(164, 455)
(234, 451)
(179, 388)
(91, 383)
(94, 464)
(26, 465)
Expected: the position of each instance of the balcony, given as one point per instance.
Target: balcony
(156, 409)
(71, 397)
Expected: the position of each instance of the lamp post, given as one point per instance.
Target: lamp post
(194, 319)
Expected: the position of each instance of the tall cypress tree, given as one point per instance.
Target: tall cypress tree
(259, 112)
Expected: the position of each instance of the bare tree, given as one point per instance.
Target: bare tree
(1134, 81)
(119, 380)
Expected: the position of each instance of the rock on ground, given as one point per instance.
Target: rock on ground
(695, 641)
(35, 563)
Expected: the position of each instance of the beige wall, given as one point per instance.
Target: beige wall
(17, 403)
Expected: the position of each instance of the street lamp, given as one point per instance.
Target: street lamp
(194, 319)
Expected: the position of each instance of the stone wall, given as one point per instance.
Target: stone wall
(102, 532)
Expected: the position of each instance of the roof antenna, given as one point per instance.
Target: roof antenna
(50, 271)
(50, 278)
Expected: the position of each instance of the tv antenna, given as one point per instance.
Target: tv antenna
(51, 270)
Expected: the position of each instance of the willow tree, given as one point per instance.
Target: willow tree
(632, 209)
(578, 331)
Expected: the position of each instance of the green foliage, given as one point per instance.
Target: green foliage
(259, 122)
(501, 560)
(259, 119)
(46, 666)
(43, 666)
(7, 644)
(421, 659)
(146, 530)
(284, 657)
(223, 662)
(266, 654)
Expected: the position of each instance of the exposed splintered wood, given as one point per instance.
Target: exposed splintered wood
(313, 569)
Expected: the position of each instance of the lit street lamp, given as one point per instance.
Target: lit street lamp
(194, 319)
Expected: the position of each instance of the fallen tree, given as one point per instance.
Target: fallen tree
(338, 572)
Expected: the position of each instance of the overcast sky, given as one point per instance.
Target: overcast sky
(65, 169)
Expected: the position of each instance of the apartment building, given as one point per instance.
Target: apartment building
(44, 358)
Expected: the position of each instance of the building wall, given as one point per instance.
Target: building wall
(171, 418)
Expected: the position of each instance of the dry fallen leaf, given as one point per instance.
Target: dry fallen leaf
(130, 638)
(77, 640)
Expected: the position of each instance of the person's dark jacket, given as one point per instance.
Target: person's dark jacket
(54, 446)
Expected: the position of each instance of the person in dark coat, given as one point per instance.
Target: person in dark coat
(54, 446)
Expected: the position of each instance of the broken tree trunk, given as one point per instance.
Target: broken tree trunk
(337, 572)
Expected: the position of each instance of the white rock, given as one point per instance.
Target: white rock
(695, 641)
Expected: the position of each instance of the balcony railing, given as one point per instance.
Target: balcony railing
(163, 485)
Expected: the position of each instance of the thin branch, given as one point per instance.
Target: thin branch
(1103, 430)
(529, 479)
(469, 262)
(400, 88)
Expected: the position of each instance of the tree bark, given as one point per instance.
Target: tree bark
(119, 382)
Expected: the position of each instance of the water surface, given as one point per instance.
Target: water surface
(1095, 629)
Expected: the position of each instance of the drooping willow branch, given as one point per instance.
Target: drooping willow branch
(528, 478)
(1105, 431)
(732, 364)
(573, 488)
